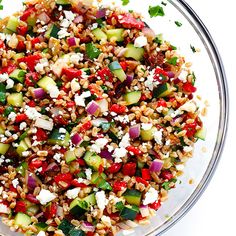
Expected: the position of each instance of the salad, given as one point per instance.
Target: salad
(97, 119)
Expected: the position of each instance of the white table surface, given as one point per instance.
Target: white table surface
(214, 213)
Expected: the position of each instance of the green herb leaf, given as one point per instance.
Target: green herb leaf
(173, 61)
(193, 48)
(156, 11)
(1, 7)
(125, 2)
(100, 22)
(179, 24)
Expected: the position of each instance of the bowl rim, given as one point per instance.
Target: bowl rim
(217, 62)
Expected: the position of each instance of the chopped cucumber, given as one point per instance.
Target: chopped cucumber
(52, 32)
(132, 97)
(76, 232)
(31, 21)
(92, 51)
(78, 207)
(12, 24)
(4, 148)
(115, 34)
(63, 2)
(133, 196)
(129, 212)
(32, 210)
(65, 226)
(93, 160)
(117, 70)
(21, 169)
(2, 130)
(15, 99)
(58, 138)
(22, 220)
(148, 135)
(99, 34)
(22, 147)
(41, 226)
(19, 75)
(97, 177)
(90, 199)
(46, 82)
(201, 134)
(133, 52)
(162, 90)
(70, 156)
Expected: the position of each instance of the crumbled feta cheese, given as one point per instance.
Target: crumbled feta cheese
(158, 136)
(176, 113)
(189, 106)
(180, 167)
(93, 26)
(75, 58)
(183, 76)
(25, 153)
(53, 91)
(8, 133)
(41, 233)
(123, 119)
(118, 154)
(73, 193)
(113, 113)
(32, 113)
(106, 220)
(69, 15)
(62, 131)
(57, 157)
(146, 126)
(88, 173)
(151, 196)
(101, 200)
(99, 144)
(12, 116)
(80, 99)
(4, 77)
(63, 33)
(2, 36)
(15, 136)
(150, 83)
(15, 182)
(167, 142)
(41, 65)
(136, 88)
(4, 209)
(10, 84)
(140, 41)
(45, 196)
(125, 141)
(23, 125)
(188, 148)
(110, 148)
(160, 109)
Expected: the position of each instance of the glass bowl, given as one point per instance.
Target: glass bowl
(212, 87)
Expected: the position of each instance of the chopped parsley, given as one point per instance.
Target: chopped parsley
(166, 185)
(100, 22)
(179, 24)
(193, 48)
(158, 39)
(156, 11)
(125, 2)
(173, 61)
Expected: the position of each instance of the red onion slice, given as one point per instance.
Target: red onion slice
(87, 227)
(101, 13)
(156, 165)
(71, 41)
(92, 107)
(39, 93)
(76, 139)
(106, 154)
(134, 131)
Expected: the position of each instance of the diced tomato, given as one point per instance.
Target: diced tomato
(16, 128)
(60, 120)
(129, 169)
(70, 104)
(100, 169)
(105, 74)
(31, 79)
(30, 197)
(146, 174)
(161, 103)
(8, 69)
(81, 162)
(89, 233)
(119, 109)
(31, 103)
(143, 97)
(119, 185)
(71, 73)
(166, 174)
(26, 14)
(134, 150)
(20, 118)
(160, 75)
(141, 180)
(20, 206)
(75, 183)
(22, 30)
(139, 217)
(114, 168)
(51, 210)
(124, 65)
(35, 41)
(2, 44)
(156, 205)
(12, 189)
(41, 135)
(86, 126)
(35, 164)
(64, 180)
(20, 46)
(128, 21)
(191, 129)
(188, 87)
(30, 61)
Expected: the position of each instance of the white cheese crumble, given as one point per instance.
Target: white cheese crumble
(69, 15)
(62, 131)
(75, 58)
(63, 33)
(45, 196)
(41, 233)
(106, 220)
(188, 148)
(15, 182)
(10, 84)
(88, 173)
(41, 65)
(118, 154)
(23, 125)
(158, 136)
(146, 126)
(80, 99)
(4, 209)
(140, 41)
(99, 144)
(189, 106)
(183, 76)
(4, 77)
(12, 116)
(176, 113)
(32, 113)
(101, 200)
(151, 196)
(25, 153)
(125, 141)
(123, 119)
(93, 26)
(72, 193)
(57, 157)
(53, 91)
(150, 83)
(8, 133)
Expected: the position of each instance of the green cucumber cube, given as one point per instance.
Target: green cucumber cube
(148, 135)
(19, 75)
(133, 196)
(70, 156)
(133, 52)
(12, 24)
(15, 99)
(162, 90)
(115, 34)
(90, 199)
(201, 134)
(129, 213)
(93, 160)
(58, 138)
(99, 34)
(46, 82)
(117, 70)
(4, 148)
(22, 220)
(62, 2)
(132, 97)
(22, 147)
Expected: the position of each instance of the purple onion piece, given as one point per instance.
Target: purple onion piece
(31, 181)
(134, 131)
(101, 13)
(76, 139)
(87, 227)
(92, 107)
(129, 79)
(52, 167)
(156, 165)
(71, 41)
(39, 93)
(170, 74)
(106, 154)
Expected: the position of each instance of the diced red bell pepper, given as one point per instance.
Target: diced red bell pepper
(8, 69)
(166, 174)
(86, 126)
(41, 135)
(2, 44)
(20, 206)
(189, 88)
(124, 65)
(105, 74)
(146, 174)
(64, 180)
(191, 129)
(30, 61)
(31, 79)
(70, 104)
(21, 46)
(160, 75)
(30, 197)
(139, 217)
(156, 205)
(119, 109)
(141, 180)
(129, 22)
(31, 103)
(90, 233)
(114, 168)
(22, 30)
(143, 97)
(20, 118)
(81, 162)
(100, 169)
(161, 103)
(75, 183)
(26, 14)
(119, 185)
(134, 150)
(60, 120)
(51, 210)
(71, 73)
(35, 164)
(35, 41)
(129, 169)
(12, 189)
